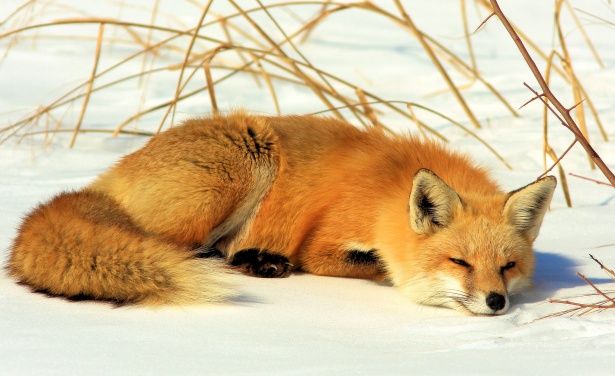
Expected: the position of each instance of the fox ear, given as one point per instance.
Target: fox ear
(432, 202)
(526, 207)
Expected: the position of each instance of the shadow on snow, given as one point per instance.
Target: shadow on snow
(554, 272)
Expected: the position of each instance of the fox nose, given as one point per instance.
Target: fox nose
(496, 301)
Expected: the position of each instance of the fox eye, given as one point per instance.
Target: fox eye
(510, 265)
(460, 262)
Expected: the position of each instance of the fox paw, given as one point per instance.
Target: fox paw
(261, 263)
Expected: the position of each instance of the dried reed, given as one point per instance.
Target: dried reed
(262, 57)
(580, 308)
(562, 113)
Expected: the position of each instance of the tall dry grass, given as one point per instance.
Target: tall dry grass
(215, 48)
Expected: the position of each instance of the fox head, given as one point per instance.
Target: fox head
(472, 251)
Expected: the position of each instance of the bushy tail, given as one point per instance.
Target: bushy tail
(83, 245)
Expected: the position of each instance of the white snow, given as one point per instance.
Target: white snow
(307, 324)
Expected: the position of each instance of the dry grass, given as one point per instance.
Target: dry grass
(241, 45)
(580, 305)
(550, 100)
(267, 55)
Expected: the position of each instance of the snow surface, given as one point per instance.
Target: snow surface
(307, 324)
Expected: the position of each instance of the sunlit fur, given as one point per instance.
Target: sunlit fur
(308, 188)
(481, 234)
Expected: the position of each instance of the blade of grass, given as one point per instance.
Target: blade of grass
(436, 62)
(281, 52)
(306, 60)
(210, 85)
(187, 56)
(588, 41)
(86, 100)
(568, 68)
(270, 87)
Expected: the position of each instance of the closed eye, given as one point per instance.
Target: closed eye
(510, 265)
(460, 262)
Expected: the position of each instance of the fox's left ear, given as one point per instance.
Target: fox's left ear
(432, 203)
(526, 207)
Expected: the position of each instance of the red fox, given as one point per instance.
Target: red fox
(276, 194)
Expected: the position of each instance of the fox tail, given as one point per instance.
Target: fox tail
(83, 245)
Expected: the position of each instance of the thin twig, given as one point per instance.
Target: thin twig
(590, 179)
(609, 271)
(484, 21)
(543, 98)
(598, 291)
(558, 160)
(581, 305)
(531, 100)
(580, 308)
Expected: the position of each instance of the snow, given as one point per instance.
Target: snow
(317, 325)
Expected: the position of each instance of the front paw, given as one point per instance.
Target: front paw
(261, 263)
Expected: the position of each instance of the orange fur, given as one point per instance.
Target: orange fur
(308, 188)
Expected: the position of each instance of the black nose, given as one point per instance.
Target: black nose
(496, 301)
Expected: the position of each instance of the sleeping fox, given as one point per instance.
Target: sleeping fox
(271, 195)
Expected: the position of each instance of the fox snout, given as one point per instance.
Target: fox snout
(491, 303)
(484, 303)
(495, 301)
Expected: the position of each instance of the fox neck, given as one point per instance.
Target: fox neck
(397, 244)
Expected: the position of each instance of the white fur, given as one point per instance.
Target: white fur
(446, 291)
(517, 284)
(357, 246)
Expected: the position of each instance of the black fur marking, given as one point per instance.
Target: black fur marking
(208, 252)
(261, 263)
(254, 140)
(427, 207)
(360, 257)
(252, 153)
(541, 201)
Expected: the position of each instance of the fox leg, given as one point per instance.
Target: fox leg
(84, 245)
(261, 263)
(340, 260)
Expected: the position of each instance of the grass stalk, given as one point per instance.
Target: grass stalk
(90, 84)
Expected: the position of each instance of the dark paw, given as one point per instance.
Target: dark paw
(261, 263)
